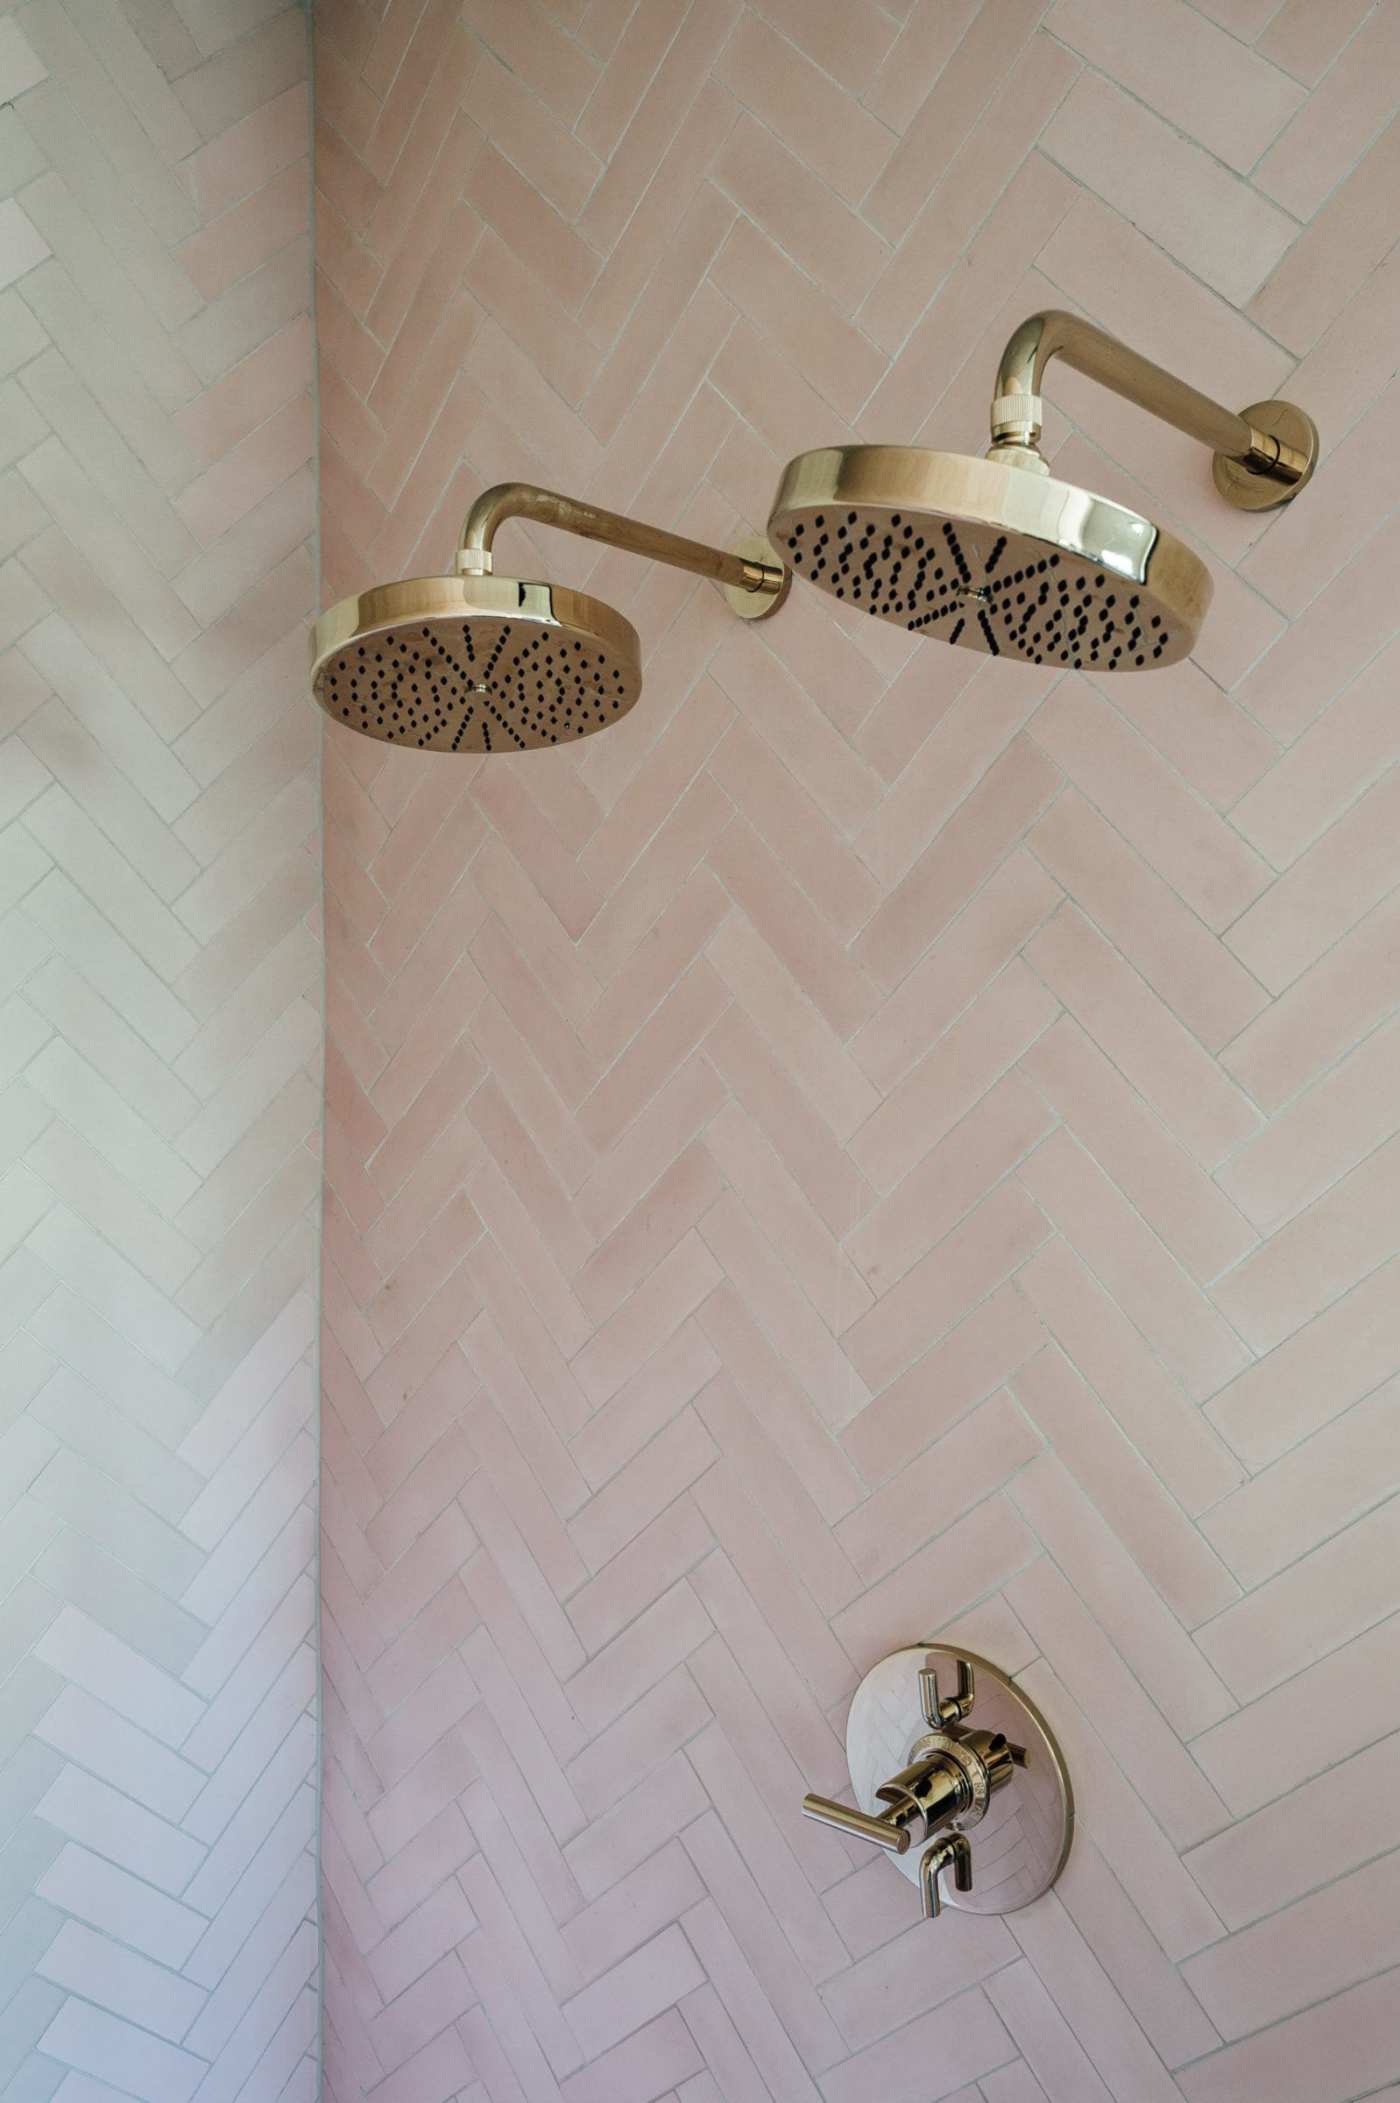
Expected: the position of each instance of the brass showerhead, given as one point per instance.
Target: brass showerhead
(478, 662)
(990, 557)
(475, 664)
(994, 555)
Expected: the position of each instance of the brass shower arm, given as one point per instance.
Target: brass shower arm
(740, 572)
(1263, 456)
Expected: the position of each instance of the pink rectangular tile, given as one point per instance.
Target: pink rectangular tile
(1151, 1526)
(797, 98)
(1359, 1679)
(1288, 565)
(1129, 1838)
(1255, 1977)
(987, 1038)
(995, 1239)
(1015, 900)
(798, 213)
(1340, 2047)
(1325, 892)
(1306, 35)
(1188, 845)
(1248, 1872)
(1230, 99)
(960, 2040)
(1096, 1334)
(1323, 1013)
(999, 1335)
(990, 1444)
(957, 94)
(1142, 1037)
(1133, 1729)
(1317, 1603)
(1172, 1192)
(961, 197)
(1054, 2057)
(1221, 230)
(1337, 635)
(1334, 255)
(1316, 1489)
(974, 1556)
(1326, 137)
(1180, 1323)
(1144, 917)
(979, 835)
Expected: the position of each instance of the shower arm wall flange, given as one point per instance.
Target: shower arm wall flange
(754, 585)
(1263, 456)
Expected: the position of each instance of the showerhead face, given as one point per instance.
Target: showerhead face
(993, 558)
(475, 664)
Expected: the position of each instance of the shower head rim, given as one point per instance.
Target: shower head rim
(1094, 529)
(490, 597)
(351, 629)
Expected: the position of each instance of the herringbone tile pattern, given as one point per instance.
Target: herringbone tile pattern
(882, 1141)
(159, 1058)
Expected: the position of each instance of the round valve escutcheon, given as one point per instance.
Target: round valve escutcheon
(958, 1775)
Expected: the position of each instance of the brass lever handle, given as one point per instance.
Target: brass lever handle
(883, 1831)
(952, 1850)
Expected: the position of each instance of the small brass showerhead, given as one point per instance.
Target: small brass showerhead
(994, 555)
(482, 663)
(475, 664)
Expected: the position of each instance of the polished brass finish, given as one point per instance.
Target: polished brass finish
(1276, 455)
(474, 664)
(1293, 431)
(477, 662)
(762, 583)
(997, 556)
(990, 557)
(1003, 1777)
(761, 559)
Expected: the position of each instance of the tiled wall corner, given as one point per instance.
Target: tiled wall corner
(160, 1024)
(882, 1139)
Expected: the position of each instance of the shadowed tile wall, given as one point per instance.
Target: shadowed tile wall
(882, 1141)
(160, 1017)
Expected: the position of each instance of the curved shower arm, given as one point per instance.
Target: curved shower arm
(1016, 408)
(545, 507)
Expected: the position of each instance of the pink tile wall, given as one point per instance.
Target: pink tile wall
(882, 1142)
(160, 1024)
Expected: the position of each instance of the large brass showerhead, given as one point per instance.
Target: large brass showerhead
(478, 662)
(995, 555)
(990, 557)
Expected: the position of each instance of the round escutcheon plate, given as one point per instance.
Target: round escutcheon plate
(1020, 1846)
(1292, 427)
